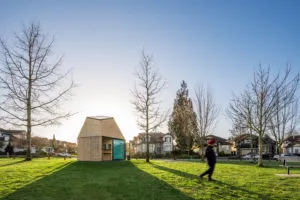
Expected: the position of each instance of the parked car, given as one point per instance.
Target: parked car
(248, 156)
(64, 155)
(276, 157)
(287, 157)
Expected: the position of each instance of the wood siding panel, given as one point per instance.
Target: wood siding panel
(90, 149)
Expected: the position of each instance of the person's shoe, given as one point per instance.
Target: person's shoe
(210, 179)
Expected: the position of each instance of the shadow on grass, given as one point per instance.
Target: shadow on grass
(266, 163)
(217, 182)
(98, 180)
(13, 163)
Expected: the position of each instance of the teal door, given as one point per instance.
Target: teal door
(119, 147)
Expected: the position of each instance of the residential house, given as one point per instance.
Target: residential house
(17, 138)
(223, 146)
(159, 143)
(167, 143)
(242, 144)
(291, 145)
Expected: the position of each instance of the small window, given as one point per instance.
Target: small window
(107, 146)
(247, 141)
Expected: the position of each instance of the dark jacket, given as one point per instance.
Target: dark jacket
(210, 155)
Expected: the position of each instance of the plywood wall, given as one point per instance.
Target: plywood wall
(90, 149)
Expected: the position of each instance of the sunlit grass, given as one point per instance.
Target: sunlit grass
(60, 179)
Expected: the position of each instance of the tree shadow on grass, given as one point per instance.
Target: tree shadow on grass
(221, 184)
(266, 163)
(13, 163)
(98, 180)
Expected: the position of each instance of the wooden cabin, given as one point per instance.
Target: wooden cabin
(100, 139)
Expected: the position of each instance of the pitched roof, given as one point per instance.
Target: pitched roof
(266, 138)
(293, 140)
(11, 132)
(221, 140)
(154, 137)
(100, 126)
(100, 117)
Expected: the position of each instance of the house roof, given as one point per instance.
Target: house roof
(100, 126)
(100, 117)
(293, 140)
(266, 139)
(155, 137)
(221, 140)
(11, 132)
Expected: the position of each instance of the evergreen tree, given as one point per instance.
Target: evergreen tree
(182, 122)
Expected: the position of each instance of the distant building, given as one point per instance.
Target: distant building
(159, 143)
(242, 144)
(17, 138)
(291, 145)
(222, 145)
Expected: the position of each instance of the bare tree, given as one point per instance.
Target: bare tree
(285, 120)
(240, 112)
(267, 96)
(264, 96)
(31, 87)
(145, 93)
(207, 113)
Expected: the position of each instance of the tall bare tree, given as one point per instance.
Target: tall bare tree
(265, 95)
(240, 112)
(207, 113)
(146, 92)
(31, 87)
(285, 120)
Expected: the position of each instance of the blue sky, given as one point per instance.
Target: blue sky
(215, 43)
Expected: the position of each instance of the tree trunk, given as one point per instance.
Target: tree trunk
(28, 152)
(251, 138)
(202, 150)
(260, 145)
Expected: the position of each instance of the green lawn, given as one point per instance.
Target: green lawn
(135, 180)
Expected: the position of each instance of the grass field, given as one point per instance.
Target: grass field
(135, 180)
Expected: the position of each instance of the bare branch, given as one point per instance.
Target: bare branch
(145, 94)
(33, 90)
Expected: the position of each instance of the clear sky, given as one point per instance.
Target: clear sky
(215, 43)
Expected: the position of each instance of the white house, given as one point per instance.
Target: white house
(159, 143)
(167, 143)
(16, 137)
(291, 145)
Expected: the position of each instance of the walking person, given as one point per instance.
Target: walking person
(211, 160)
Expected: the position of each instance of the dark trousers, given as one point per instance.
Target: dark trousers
(210, 170)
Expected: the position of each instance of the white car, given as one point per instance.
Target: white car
(288, 157)
(64, 155)
(248, 157)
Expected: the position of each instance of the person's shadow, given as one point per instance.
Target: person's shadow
(217, 182)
